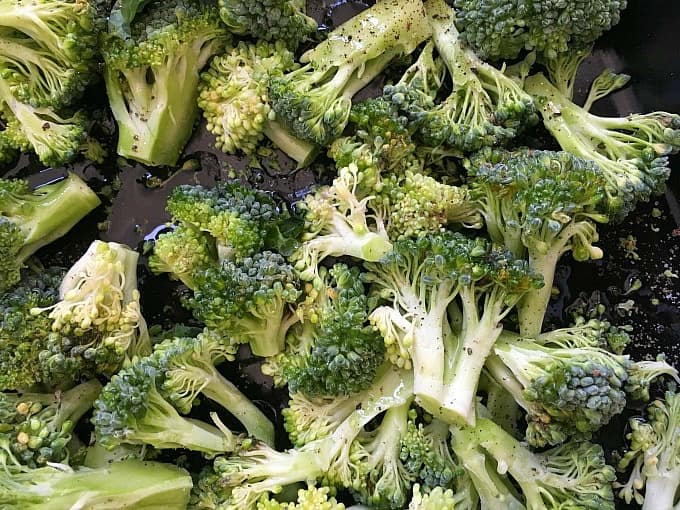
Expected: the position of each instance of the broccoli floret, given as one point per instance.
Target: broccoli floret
(36, 428)
(569, 389)
(152, 79)
(189, 370)
(133, 408)
(654, 456)
(573, 475)
(501, 29)
(632, 151)
(48, 50)
(338, 223)
(334, 351)
(485, 107)
(314, 101)
(248, 301)
(425, 278)
(240, 220)
(126, 484)
(282, 21)
(644, 373)
(541, 204)
(426, 454)
(238, 481)
(181, 252)
(31, 219)
(99, 310)
(311, 498)
(235, 101)
(436, 499)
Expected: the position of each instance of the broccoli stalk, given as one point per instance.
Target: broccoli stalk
(39, 426)
(654, 456)
(31, 219)
(574, 474)
(125, 484)
(152, 81)
(257, 469)
(631, 151)
(190, 370)
(314, 101)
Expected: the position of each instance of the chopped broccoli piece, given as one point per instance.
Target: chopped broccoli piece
(436, 499)
(501, 29)
(334, 351)
(632, 151)
(282, 21)
(654, 456)
(152, 79)
(36, 428)
(644, 373)
(125, 484)
(311, 498)
(314, 101)
(31, 219)
(248, 301)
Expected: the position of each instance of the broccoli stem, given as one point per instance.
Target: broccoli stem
(660, 490)
(479, 337)
(300, 150)
(222, 391)
(74, 403)
(532, 307)
(59, 207)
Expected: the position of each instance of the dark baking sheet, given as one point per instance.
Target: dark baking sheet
(645, 44)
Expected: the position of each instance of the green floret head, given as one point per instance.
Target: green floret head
(314, 101)
(652, 456)
(49, 48)
(130, 483)
(501, 29)
(132, 410)
(644, 373)
(241, 220)
(37, 428)
(233, 93)
(182, 252)
(247, 300)
(99, 310)
(632, 152)
(437, 499)
(31, 219)
(152, 80)
(23, 336)
(271, 20)
(417, 205)
(341, 351)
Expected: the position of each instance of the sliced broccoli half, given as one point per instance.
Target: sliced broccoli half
(31, 219)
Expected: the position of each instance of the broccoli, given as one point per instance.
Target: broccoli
(152, 80)
(36, 428)
(644, 373)
(248, 301)
(235, 101)
(126, 484)
(436, 499)
(314, 101)
(573, 475)
(99, 311)
(632, 151)
(654, 456)
(282, 21)
(31, 219)
(569, 387)
(424, 280)
(238, 481)
(334, 351)
(133, 408)
(190, 369)
(484, 108)
(501, 29)
(540, 203)
(240, 221)
(338, 223)
(311, 498)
